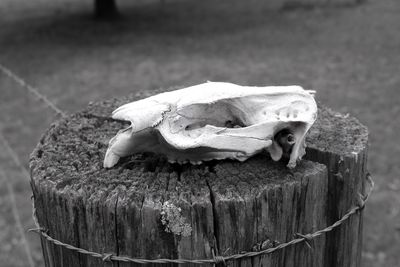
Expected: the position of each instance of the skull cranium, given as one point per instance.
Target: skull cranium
(216, 120)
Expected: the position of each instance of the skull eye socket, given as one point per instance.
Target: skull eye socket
(195, 125)
(218, 114)
(233, 123)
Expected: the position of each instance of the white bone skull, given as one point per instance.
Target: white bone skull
(216, 120)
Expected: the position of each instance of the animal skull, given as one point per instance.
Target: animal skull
(216, 120)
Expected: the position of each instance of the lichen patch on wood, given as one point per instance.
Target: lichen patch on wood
(173, 221)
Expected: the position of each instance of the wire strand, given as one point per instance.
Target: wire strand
(31, 89)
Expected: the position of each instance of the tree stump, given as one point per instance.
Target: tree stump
(147, 208)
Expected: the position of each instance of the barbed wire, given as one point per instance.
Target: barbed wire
(31, 89)
(361, 200)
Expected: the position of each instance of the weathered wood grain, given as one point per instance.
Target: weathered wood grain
(230, 206)
(253, 203)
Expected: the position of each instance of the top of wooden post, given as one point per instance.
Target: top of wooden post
(71, 152)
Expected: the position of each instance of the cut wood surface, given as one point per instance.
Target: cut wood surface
(145, 207)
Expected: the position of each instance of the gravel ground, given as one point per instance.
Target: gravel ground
(350, 55)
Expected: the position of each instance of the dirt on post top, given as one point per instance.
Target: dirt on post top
(70, 157)
(337, 133)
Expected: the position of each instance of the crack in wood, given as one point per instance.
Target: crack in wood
(116, 226)
(215, 217)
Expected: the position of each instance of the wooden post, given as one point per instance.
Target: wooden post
(148, 208)
(105, 9)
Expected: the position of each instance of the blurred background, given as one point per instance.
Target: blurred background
(348, 53)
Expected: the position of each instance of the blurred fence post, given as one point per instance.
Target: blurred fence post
(105, 9)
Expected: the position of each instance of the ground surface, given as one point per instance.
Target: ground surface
(351, 56)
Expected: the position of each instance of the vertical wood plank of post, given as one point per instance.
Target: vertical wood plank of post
(148, 208)
(346, 161)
